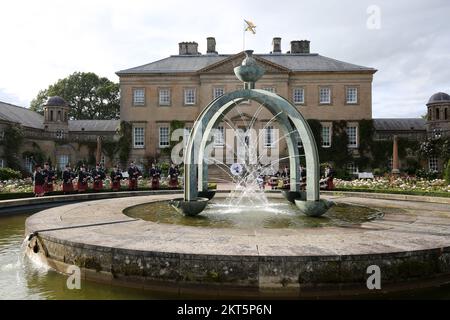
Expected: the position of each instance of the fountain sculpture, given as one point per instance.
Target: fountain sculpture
(196, 193)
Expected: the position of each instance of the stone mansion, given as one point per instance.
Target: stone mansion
(180, 86)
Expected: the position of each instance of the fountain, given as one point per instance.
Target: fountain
(290, 121)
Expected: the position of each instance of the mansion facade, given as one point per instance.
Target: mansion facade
(180, 86)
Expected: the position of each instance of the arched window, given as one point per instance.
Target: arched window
(445, 114)
(51, 115)
(437, 113)
(59, 116)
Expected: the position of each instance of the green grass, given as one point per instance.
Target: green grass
(411, 193)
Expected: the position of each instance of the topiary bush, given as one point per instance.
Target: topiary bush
(9, 174)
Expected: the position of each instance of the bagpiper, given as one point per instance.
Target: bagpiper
(116, 177)
(155, 175)
(68, 177)
(133, 174)
(49, 177)
(39, 181)
(98, 175)
(173, 176)
(83, 178)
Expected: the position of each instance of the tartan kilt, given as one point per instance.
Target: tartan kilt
(98, 185)
(82, 186)
(115, 186)
(48, 187)
(173, 182)
(132, 184)
(67, 187)
(38, 189)
(155, 183)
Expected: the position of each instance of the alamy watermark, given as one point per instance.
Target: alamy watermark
(374, 280)
(74, 280)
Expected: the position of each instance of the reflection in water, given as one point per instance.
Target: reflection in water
(22, 279)
(276, 214)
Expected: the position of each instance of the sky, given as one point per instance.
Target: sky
(408, 42)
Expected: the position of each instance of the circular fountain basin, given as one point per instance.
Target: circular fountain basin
(409, 241)
(277, 213)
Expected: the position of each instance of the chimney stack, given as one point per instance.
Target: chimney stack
(300, 46)
(211, 45)
(188, 48)
(276, 45)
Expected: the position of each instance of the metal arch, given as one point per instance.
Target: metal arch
(195, 173)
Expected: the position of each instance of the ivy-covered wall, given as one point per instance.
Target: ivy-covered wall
(371, 155)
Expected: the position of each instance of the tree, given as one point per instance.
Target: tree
(12, 143)
(88, 95)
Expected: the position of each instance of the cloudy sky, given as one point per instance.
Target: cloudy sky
(43, 41)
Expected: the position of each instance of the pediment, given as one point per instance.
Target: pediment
(227, 65)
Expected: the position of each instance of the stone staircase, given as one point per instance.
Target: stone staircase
(218, 173)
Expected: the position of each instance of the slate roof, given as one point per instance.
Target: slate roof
(24, 116)
(31, 119)
(295, 62)
(55, 101)
(439, 97)
(93, 125)
(408, 124)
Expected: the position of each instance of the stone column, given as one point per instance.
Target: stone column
(395, 160)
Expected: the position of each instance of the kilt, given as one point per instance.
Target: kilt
(38, 189)
(115, 186)
(67, 187)
(82, 186)
(155, 183)
(330, 184)
(173, 182)
(132, 184)
(98, 185)
(48, 187)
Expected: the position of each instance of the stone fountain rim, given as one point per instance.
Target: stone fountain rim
(81, 244)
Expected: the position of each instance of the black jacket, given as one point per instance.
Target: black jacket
(68, 176)
(39, 178)
(98, 175)
(83, 177)
(134, 172)
(116, 175)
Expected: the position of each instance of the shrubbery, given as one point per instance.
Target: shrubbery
(9, 174)
(428, 175)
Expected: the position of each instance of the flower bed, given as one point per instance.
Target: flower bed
(400, 185)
